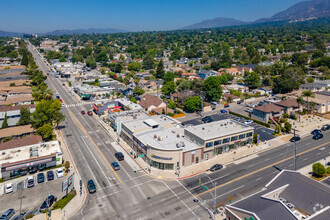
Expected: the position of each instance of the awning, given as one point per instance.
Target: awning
(95, 108)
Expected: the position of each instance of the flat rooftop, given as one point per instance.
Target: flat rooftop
(217, 129)
(166, 139)
(23, 153)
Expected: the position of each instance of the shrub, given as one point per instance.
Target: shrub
(285, 115)
(318, 169)
(29, 216)
(60, 204)
(67, 164)
(2, 180)
(327, 170)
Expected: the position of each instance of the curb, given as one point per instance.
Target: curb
(186, 177)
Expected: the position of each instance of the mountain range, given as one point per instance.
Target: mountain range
(298, 12)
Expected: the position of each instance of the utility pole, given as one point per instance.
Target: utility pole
(20, 207)
(215, 194)
(294, 147)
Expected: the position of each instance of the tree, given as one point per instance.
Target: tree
(47, 112)
(168, 88)
(252, 80)
(148, 62)
(307, 94)
(25, 116)
(160, 72)
(5, 122)
(299, 59)
(138, 90)
(134, 66)
(193, 104)
(46, 132)
(300, 101)
(169, 76)
(62, 59)
(223, 79)
(310, 79)
(25, 60)
(318, 169)
(212, 88)
(90, 62)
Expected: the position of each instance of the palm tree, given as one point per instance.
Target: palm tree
(308, 93)
(300, 101)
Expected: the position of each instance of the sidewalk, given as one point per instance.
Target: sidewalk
(78, 201)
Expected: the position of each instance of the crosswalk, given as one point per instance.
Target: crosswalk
(73, 105)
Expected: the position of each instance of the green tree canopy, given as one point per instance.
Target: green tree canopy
(212, 88)
(134, 66)
(193, 104)
(160, 72)
(46, 132)
(168, 88)
(47, 112)
(252, 80)
(168, 77)
(5, 122)
(318, 169)
(138, 90)
(25, 116)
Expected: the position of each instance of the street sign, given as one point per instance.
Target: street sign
(204, 187)
(141, 155)
(67, 183)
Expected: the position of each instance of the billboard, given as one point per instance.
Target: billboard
(67, 182)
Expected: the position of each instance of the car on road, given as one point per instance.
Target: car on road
(8, 214)
(90, 113)
(30, 181)
(207, 119)
(261, 103)
(59, 173)
(222, 111)
(61, 100)
(315, 131)
(249, 110)
(91, 186)
(294, 139)
(325, 127)
(41, 177)
(50, 175)
(115, 166)
(250, 105)
(83, 112)
(9, 188)
(248, 122)
(216, 167)
(49, 201)
(317, 136)
(238, 119)
(119, 156)
(63, 105)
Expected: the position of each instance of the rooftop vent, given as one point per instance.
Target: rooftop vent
(177, 135)
(159, 138)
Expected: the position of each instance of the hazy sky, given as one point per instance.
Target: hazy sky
(35, 16)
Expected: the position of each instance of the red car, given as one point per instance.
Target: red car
(61, 100)
(90, 113)
(83, 112)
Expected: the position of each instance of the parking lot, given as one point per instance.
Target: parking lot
(32, 197)
(265, 133)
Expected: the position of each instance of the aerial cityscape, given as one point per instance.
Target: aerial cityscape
(149, 110)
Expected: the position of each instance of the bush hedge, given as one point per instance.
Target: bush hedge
(60, 204)
(255, 121)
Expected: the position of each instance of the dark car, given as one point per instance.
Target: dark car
(33, 170)
(41, 177)
(207, 119)
(83, 112)
(296, 138)
(91, 186)
(115, 166)
(223, 111)
(119, 156)
(41, 167)
(49, 201)
(317, 136)
(261, 103)
(315, 131)
(8, 214)
(23, 172)
(50, 175)
(216, 167)
(90, 113)
(325, 127)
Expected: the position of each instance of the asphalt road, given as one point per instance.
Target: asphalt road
(121, 194)
(240, 179)
(265, 133)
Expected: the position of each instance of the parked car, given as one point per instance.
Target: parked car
(90, 113)
(9, 188)
(238, 119)
(216, 167)
(294, 139)
(315, 131)
(261, 103)
(8, 214)
(23, 172)
(250, 105)
(317, 136)
(59, 173)
(325, 127)
(41, 167)
(249, 110)
(30, 182)
(50, 175)
(207, 119)
(119, 156)
(223, 111)
(91, 186)
(83, 112)
(49, 201)
(63, 105)
(115, 166)
(33, 170)
(248, 122)
(41, 177)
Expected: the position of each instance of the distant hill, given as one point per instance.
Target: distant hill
(217, 22)
(298, 12)
(302, 11)
(10, 34)
(84, 31)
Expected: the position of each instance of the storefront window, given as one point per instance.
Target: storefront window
(249, 134)
(217, 142)
(242, 136)
(206, 156)
(210, 144)
(234, 138)
(226, 140)
(162, 166)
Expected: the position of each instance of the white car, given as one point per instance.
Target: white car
(248, 122)
(9, 188)
(63, 105)
(59, 173)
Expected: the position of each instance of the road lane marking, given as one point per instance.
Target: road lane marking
(266, 159)
(259, 178)
(261, 169)
(227, 193)
(305, 159)
(210, 181)
(83, 130)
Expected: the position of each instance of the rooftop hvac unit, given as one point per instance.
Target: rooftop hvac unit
(155, 136)
(159, 138)
(34, 148)
(177, 135)
(34, 154)
(178, 145)
(182, 144)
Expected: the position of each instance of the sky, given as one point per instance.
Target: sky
(38, 16)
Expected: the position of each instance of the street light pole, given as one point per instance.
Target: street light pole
(215, 194)
(294, 147)
(20, 207)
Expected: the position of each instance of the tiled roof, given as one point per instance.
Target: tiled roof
(288, 103)
(18, 130)
(149, 100)
(269, 108)
(20, 142)
(16, 107)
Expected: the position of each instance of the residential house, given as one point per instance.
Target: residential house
(263, 91)
(249, 66)
(148, 85)
(289, 105)
(230, 98)
(289, 195)
(320, 103)
(186, 74)
(238, 88)
(13, 113)
(314, 87)
(149, 102)
(266, 63)
(204, 74)
(25, 99)
(17, 131)
(267, 112)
